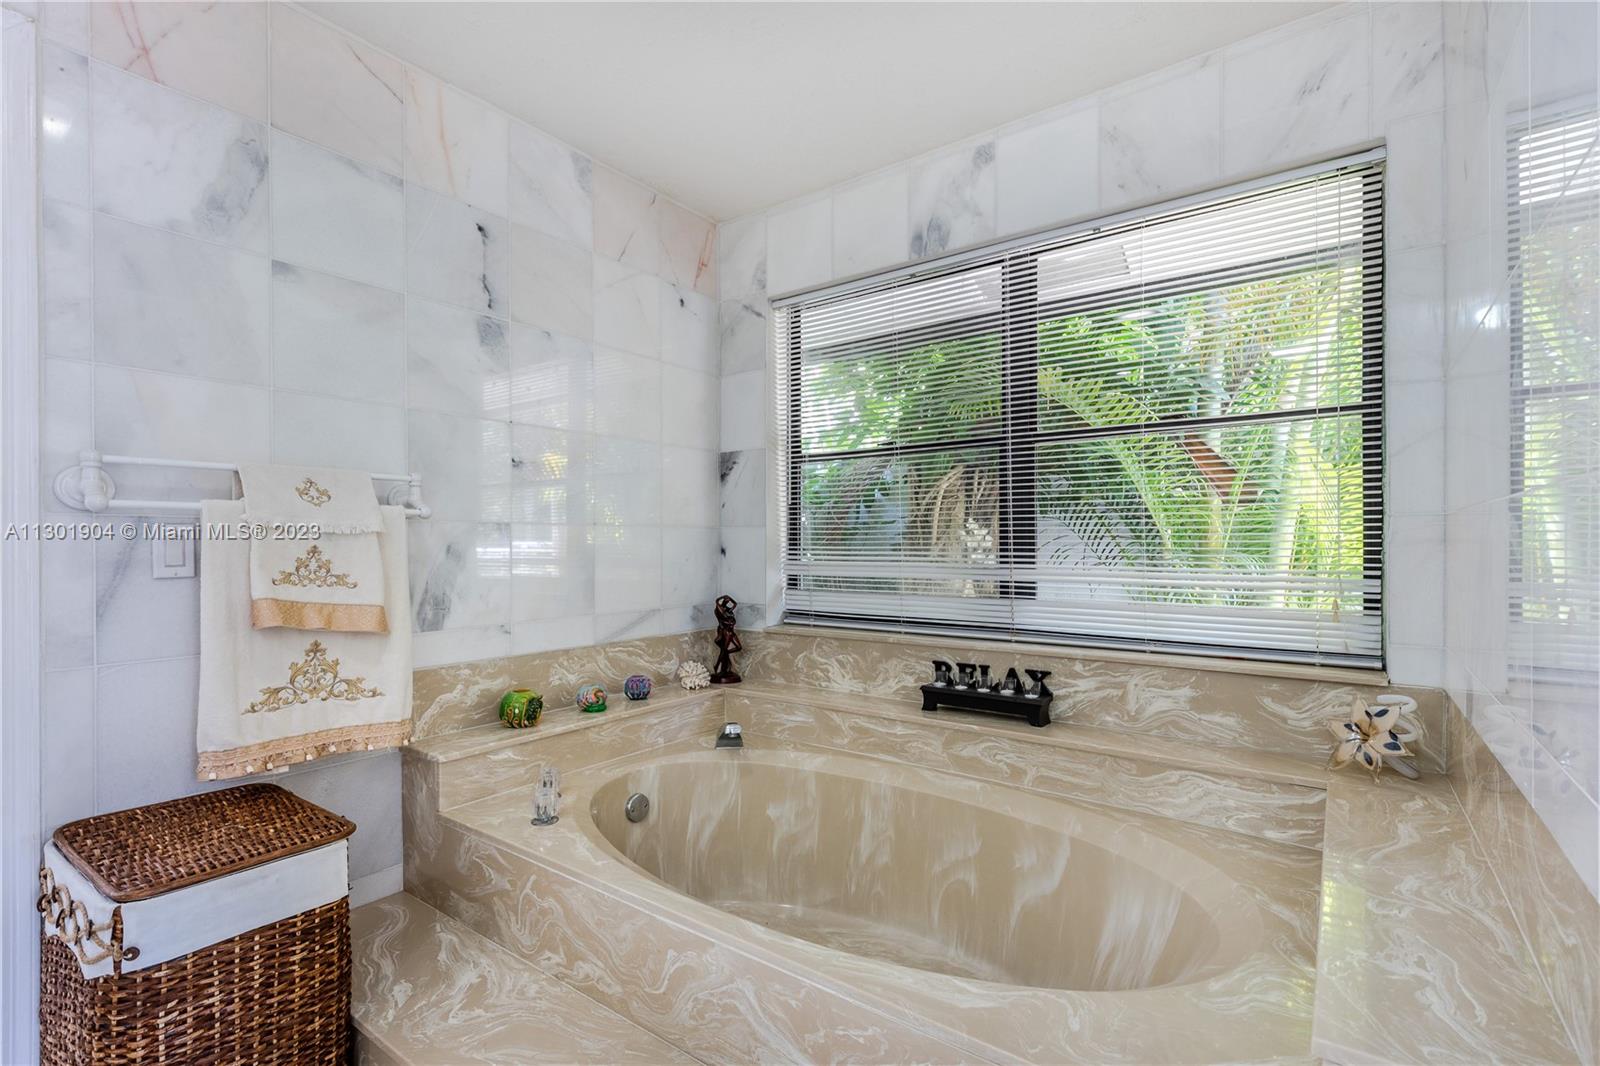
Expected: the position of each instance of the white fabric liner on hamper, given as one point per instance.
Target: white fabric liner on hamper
(175, 923)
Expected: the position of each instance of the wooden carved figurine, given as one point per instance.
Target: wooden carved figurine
(727, 642)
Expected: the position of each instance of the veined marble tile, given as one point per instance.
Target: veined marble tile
(165, 302)
(455, 144)
(869, 220)
(460, 574)
(1413, 315)
(66, 276)
(136, 616)
(1049, 172)
(952, 198)
(66, 422)
(689, 403)
(743, 328)
(688, 248)
(454, 253)
(550, 476)
(335, 91)
(627, 395)
(457, 361)
(1294, 98)
(744, 410)
(688, 329)
(800, 246)
(743, 477)
(552, 379)
(166, 160)
(1414, 179)
(626, 224)
(1407, 60)
(552, 187)
(743, 572)
(67, 708)
(627, 308)
(66, 23)
(626, 485)
(689, 563)
(552, 283)
(636, 623)
(445, 646)
(465, 464)
(335, 215)
(337, 337)
(217, 52)
(67, 603)
(145, 753)
(1161, 137)
(552, 572)
(170, 417)
(688, 487)
(627, 568)
(63, 124)
(529, 637)
(336, 431)
(742, 257)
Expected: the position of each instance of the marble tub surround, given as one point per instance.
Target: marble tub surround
(451, 698)
(1212, 704)
(428, 991)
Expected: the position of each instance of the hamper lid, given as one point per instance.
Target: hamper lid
(135, 854)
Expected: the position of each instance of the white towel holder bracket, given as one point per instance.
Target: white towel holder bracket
(87, 486)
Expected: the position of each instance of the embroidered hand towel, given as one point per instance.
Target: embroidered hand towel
(271, 697)
(330, 581)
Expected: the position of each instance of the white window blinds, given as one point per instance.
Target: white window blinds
(1553, 220)
(1164, 431)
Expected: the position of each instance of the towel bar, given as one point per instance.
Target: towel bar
(87, 487)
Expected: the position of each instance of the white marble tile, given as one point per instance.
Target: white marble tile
(217, 52)
(465, 464)
(446, 646)
(627, 395)
(1407, 60)
(688, 258)
(627, 308)
(460, 574)
(552, 573)
(688, 329)
(455, 144)
(66, 282)
(66, 424)
(145, 752)
(335, 215)
(744, 411)
(568, 631)
(1414, 447)
(171, 417)
(689, 403)
(552, 282)
(63, 124)
(688, 487)
(66, 22)
(552, 187)
(952, 200)
(333, 431)
(552, 379)
(1414, 580)
(1414, 315)
(1564, 723)
(1293, 99)
(1572, 817)
(742, 257)
(361, 788)
(457, 361)
(869, 223)
(337, 337)
(1161, 137)
(633, 624)
(742, 477)
(625, 483)
(1414, 193)
(1563, 54)
(689, 564)
(67, 602)
(800, 246)
(627, 568)
(626, 227)
(66, 759)
(742, 571)
(335, 91)
(1048, 172)
(166, 160)
(136, 616)
(165, 302)
(456, 253)
(743, 334)
(549, 476)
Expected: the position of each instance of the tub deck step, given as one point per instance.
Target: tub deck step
(428, 991)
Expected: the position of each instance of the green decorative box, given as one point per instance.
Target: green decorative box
(520, 708)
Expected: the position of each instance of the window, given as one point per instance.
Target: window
(1162, 431)
(1553, 222)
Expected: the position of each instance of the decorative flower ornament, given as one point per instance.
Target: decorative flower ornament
(1374, 733)
(693, 675)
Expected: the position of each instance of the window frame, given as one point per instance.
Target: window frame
(1019, 443)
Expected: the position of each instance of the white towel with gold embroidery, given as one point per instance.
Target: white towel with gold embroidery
(273, 697)
(331, 580)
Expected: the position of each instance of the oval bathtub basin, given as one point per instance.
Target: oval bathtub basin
(931, 871)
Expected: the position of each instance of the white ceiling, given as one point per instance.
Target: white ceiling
(733, 107)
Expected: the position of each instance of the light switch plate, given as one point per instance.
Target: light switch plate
(171, 557)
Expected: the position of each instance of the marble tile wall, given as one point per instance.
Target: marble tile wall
(264, 240)
(1340, 81)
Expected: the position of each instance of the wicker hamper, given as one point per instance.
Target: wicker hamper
(123, 893)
